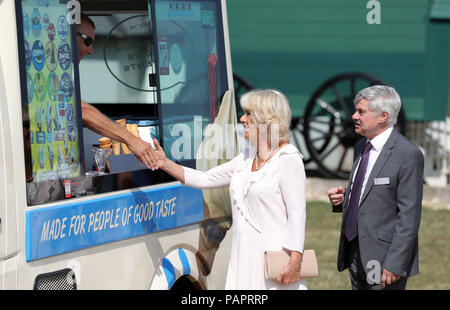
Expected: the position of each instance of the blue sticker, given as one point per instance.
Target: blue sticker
(70, 123)
(61, 104)
(52, 86)
(46, 21)
(51, 32)
(40, 137)
(66, 86)
(43, 3)
(50, 56)
(26, 25)
(40, 87)
(38, 55)
(64, 55)
(36, 26)
(30, 88)
(63, 28)
(176, 58)
(27, 54)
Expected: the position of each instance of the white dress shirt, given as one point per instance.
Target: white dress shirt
(378, 143)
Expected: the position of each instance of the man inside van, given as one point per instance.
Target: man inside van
(94, 119)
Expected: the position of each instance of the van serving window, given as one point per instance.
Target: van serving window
(160, 73)
(116, 80)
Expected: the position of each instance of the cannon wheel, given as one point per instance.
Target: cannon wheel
(241, 86)
(328, 127)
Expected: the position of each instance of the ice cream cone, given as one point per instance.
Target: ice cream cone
(105, 146)
(122, 122)
(104, 141)
(125, 148)
(133, 128)
(116, 147)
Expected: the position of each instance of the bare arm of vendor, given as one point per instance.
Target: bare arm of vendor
(99, 123)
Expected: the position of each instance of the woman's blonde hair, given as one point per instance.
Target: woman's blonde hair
(271, 108)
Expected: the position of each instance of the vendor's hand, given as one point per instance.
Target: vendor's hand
(291, 272)
(144, 152)
(160, 155)
(388, 278)
(336, 195)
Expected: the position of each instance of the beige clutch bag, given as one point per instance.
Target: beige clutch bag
(274, 261)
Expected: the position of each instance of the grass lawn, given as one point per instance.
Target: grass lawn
(322, 235)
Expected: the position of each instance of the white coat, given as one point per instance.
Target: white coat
(268, 211)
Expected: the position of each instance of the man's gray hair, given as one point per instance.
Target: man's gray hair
(381, 99)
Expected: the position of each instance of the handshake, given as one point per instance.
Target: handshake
(132, 143)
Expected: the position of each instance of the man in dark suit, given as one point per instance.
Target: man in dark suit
(382, 205)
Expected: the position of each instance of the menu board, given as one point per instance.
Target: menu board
(50, 90)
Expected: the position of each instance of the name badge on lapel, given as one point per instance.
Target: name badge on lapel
(381, 181)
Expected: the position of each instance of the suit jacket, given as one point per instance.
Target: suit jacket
(389, 214)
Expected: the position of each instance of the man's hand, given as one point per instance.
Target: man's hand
(336, 195)
(144, 152)
(388, 278)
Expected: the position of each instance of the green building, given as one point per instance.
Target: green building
(296, 45)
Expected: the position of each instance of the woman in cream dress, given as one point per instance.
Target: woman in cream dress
(267, 190)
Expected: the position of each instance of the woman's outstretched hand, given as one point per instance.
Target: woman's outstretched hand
(168, 165)
(160, 155)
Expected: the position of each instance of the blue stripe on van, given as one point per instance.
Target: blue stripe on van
(169, 271)
(184, 261)
(89, 222)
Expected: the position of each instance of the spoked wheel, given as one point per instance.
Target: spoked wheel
(241, 86)
(328, 126)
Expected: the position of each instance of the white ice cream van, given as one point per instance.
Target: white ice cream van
(74, 218)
